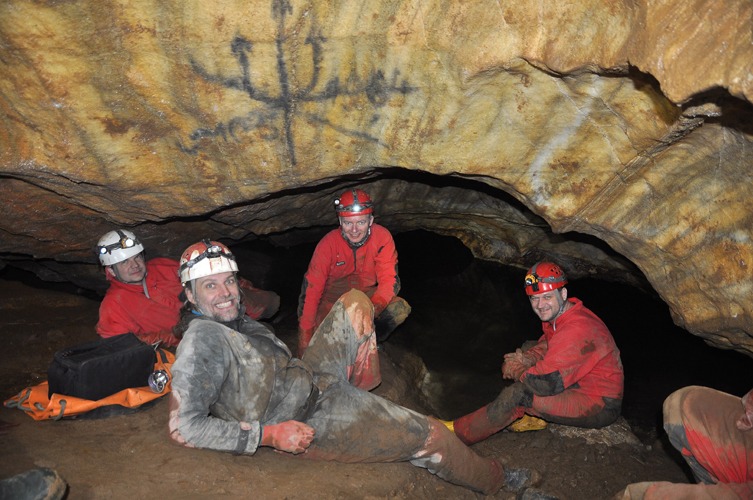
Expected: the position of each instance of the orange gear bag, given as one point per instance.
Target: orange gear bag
(40, 405)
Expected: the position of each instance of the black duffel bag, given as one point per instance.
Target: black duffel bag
(97, 369)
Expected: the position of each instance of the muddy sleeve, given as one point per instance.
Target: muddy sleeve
(570, 356)
(538, 351)
(201, 365)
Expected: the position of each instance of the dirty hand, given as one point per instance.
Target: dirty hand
(512, 369)
(515, 364)
(291, 436)
(745, 422)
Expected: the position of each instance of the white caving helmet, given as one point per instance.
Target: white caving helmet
(204, 259)
(117, 246)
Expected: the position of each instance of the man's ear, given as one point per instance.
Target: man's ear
(108, 270)
(563, 293)
(371, 220)
(189, 293)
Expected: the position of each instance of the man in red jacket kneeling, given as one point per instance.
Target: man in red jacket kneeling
(358, 255)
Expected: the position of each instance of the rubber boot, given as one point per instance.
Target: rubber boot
(476, 426)
(444, 455)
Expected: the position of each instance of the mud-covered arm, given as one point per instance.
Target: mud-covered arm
(198, 373)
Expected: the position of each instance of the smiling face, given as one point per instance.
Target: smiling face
(216, 296)
(131, 270)
(356, 227)
(547, 305)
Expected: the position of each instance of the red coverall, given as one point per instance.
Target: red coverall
(714, 433)
(336, 267)
(577, 380)
(126, 308)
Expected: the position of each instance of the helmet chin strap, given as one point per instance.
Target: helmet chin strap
(562, 302)
(143, 285)
(142, 280)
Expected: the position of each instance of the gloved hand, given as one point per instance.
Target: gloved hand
(291, 436)
(515, 364)
(304, 338)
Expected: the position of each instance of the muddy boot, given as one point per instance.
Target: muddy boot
(475, 426)
(510, 405)
(393, 316)
(444, 455)
(36, 484)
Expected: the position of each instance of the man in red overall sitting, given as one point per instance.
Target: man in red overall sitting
(572, 376)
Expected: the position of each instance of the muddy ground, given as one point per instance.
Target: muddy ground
(131, 456)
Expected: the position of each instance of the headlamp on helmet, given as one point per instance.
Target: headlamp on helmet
(205, 259)
(117, 246)
(544, 277)
(353, 202)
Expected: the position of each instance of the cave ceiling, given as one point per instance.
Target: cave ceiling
(614, 137)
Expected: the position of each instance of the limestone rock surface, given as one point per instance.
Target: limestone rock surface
(515, 127)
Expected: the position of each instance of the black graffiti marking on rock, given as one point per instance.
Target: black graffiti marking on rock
(377, 89)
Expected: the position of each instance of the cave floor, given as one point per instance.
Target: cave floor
(131, 456)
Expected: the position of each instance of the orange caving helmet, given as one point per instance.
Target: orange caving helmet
(544, 277)
(354, 202)
(205, 258)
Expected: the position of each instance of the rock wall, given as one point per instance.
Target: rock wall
(513, 126)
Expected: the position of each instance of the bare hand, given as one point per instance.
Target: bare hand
(515, 364)
(291, 436)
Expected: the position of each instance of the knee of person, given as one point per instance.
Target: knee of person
(513, 396)
(671, 409)
(521, 395)
(354, 295)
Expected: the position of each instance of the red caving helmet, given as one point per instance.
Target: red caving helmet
(353, 202)
(544, 277)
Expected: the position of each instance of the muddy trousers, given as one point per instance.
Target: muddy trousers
(700, 424)
(570, 407)
(353, 425)
(386, 321)
(446, 456)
